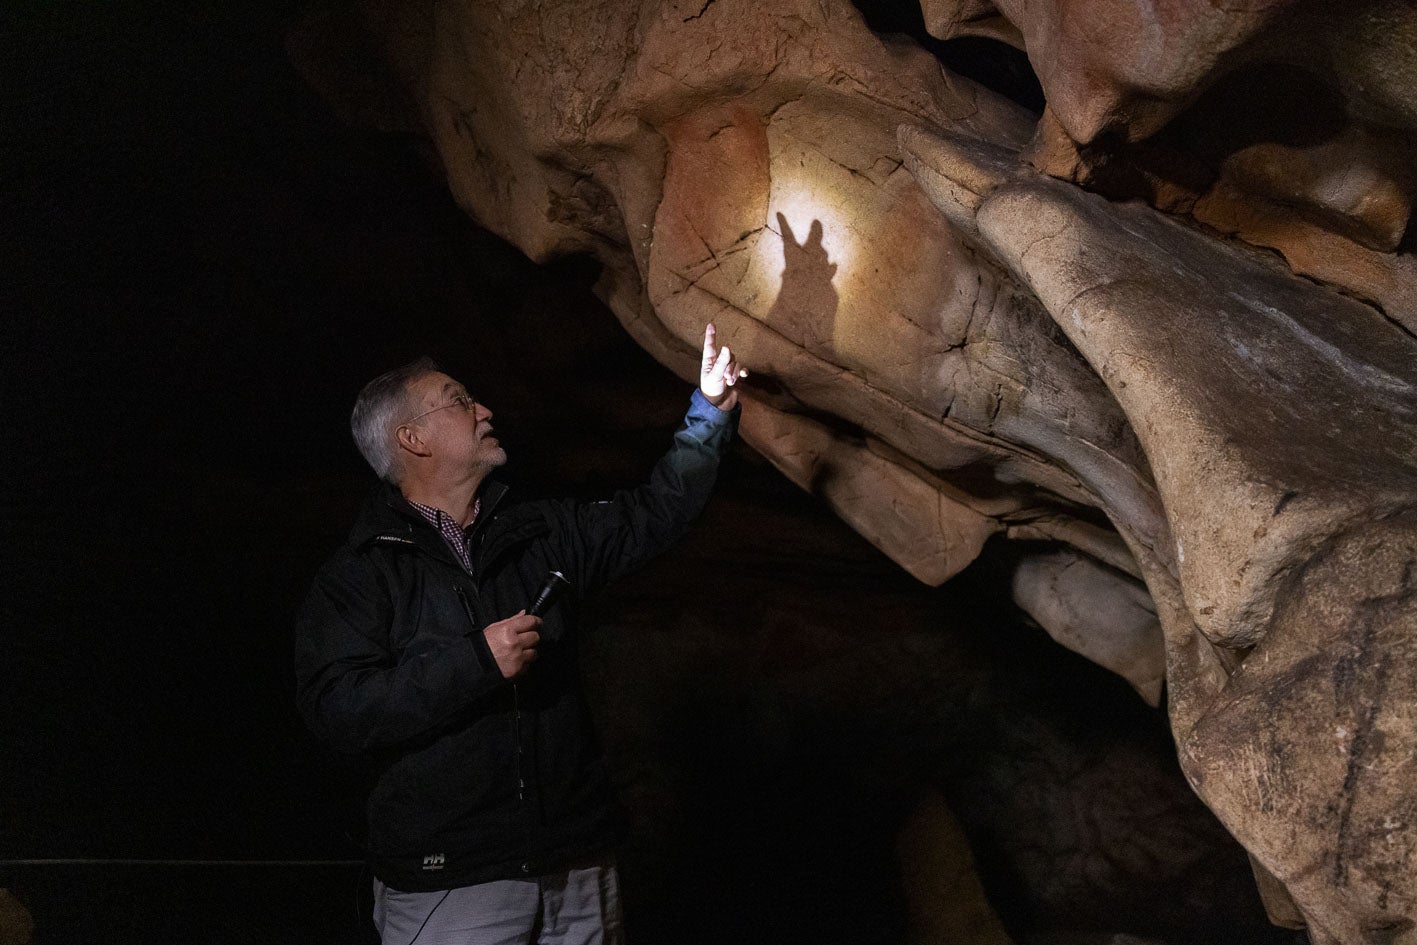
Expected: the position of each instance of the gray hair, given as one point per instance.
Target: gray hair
(380, 405)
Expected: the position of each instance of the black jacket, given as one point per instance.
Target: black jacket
(475, 778)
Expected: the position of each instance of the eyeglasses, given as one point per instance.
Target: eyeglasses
(465, 401)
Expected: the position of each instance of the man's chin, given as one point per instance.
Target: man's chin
(488, 460)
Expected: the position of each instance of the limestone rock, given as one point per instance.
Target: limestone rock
(947, 345)
(1120, 66)
(1281, 423)
(1305, 109)
(1096, 612)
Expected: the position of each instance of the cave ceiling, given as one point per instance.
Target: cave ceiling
(1158, 336)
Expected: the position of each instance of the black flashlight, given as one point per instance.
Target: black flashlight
(555, 583)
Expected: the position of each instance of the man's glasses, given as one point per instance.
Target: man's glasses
(465, 401)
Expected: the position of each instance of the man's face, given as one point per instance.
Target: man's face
(453, 424)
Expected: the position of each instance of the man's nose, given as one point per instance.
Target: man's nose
(483, 413)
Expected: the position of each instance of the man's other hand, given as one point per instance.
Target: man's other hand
(718, 372)
(513, 643)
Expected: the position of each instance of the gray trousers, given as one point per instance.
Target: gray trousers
(576, 907)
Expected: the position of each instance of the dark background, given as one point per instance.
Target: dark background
(200, 268)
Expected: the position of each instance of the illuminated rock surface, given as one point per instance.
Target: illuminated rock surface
(948, 345)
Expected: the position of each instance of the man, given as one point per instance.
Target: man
(490, 816)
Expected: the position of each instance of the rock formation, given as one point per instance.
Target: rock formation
(967, 321)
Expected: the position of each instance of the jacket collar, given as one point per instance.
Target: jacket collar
(387, 516)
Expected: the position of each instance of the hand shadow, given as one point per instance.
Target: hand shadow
(805, 309)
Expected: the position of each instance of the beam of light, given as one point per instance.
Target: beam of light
(801, 203)
(831, 246)
(874, 290)
(805, 258)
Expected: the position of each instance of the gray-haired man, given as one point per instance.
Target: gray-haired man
(490, 817)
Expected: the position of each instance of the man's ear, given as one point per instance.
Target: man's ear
(410, 439)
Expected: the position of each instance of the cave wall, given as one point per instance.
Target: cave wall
(1166, 325)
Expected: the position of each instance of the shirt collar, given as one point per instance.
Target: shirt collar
(442, 520)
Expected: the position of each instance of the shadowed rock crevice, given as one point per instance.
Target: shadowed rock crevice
(975, 42)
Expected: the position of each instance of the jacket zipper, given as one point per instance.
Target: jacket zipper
(517, 734)
(516, 704)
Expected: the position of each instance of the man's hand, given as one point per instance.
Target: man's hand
(513, 643)
(718, 372)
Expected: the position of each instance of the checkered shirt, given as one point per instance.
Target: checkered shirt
(454, 534)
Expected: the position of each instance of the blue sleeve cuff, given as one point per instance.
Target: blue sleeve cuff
(708, 425)
(701, 409)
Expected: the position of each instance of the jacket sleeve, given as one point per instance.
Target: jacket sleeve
(613, 538)
(353, 691)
